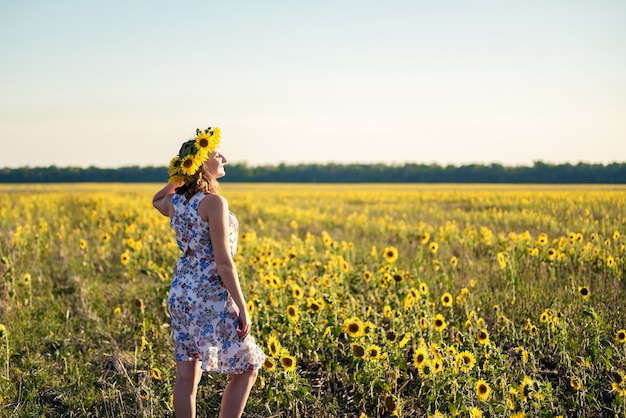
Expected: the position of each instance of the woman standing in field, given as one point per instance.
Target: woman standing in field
(210, 322)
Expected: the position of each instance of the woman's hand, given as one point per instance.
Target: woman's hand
(244, 324)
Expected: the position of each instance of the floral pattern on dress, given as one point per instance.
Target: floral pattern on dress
(203, 315)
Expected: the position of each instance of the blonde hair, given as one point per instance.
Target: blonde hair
(200, 181)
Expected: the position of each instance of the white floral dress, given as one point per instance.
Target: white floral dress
(202, 313)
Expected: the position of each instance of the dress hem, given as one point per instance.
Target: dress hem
(224, 371)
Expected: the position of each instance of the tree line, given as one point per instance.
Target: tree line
(539, 172)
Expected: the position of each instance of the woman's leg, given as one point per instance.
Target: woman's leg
(236, 394)
(188, 374)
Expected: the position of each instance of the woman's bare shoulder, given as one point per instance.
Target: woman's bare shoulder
(212, 205)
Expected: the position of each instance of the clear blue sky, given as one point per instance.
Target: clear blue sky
(116, 83)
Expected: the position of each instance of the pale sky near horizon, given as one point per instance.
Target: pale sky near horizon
(118, 83)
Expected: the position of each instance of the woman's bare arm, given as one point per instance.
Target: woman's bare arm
(214, 209)
(162, 200)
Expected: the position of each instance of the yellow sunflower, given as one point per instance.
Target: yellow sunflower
(420, 357)
(144, 344)
(138, 304)
(501, 261)
(354, 327)
(580, 362)
(296, 290)
(575, 383)
(610, 261)
(434, 247)
(483, 337)
(522, 353)
(200, 157)
(620, 389)
(357, 350)
(3, 331)
(483, 391)
(405, 339)
(619, 383)
(189, 165)
(214, 138)
(26, 278)
(174, 166)
(525, 386)
(464, 361)
(584, 292)
(206, 141)
(424, 238)
(511, 397)
(315, 305)
(542, 239)
(409, 301)
(439, 322)
(390, 254)
(425, 370)
(446, 299)
(288, 362)
(620, 336)
(475, 412)
(203, 141)
(390, 405)
(292, 313)
(326, 333)
(437, 365)
(274, 346)
(423, 323)
(156, 373)
(386, 279)
(372, 352)
(251, 307)
(269, 364)
(451, 351)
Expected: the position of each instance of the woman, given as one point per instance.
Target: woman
(210, 322)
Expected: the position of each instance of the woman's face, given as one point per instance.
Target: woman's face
(215, 164)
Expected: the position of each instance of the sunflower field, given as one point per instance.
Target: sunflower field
(370, 300)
